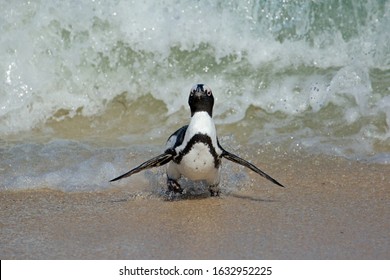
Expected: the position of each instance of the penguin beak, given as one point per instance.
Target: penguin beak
(199, 94)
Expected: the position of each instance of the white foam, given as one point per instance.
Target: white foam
(280, 57)
(60, 164)
(78, 57)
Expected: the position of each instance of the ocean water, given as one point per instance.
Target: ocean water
(92, 88)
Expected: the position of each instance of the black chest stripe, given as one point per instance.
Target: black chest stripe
(199, 138)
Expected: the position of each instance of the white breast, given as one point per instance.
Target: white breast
(198, 164)
(201, 122)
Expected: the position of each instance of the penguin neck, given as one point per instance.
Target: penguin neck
(204, 109)
(201, 122)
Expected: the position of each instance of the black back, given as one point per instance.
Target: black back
(180, 133)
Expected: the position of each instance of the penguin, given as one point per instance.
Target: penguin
(193, 151)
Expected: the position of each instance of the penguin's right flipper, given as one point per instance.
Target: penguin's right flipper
(243, 162)
(154, 162)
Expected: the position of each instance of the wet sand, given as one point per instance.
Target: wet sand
(331, 209)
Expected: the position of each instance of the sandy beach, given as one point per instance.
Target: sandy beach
(332, 208)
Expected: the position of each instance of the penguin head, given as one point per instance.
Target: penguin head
(201, 99)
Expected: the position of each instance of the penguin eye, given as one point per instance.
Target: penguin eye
(208, 92)
(192, 92)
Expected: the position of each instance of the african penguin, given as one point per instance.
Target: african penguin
(193, 151)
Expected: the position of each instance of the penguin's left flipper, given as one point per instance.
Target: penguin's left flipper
(243, 162)
(154, 162)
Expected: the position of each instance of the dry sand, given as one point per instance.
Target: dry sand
(331, 209)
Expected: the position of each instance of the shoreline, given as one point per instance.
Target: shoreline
(332, 208)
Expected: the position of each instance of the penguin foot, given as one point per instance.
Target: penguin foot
(174, 186)
(214, 190)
